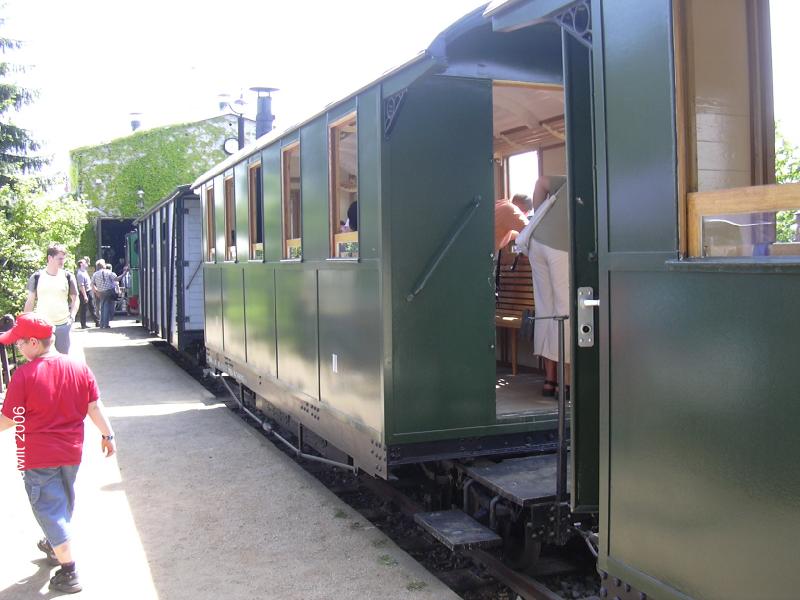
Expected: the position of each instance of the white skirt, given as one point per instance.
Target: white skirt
(551, 298)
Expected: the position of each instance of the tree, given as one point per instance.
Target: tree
(17, 148)
(31, 223)
(29, 219)
(787, 170)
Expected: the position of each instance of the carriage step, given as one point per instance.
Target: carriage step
(457, 530)
(523, 481)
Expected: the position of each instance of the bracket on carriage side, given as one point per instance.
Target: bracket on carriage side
(391, 108)
(577, 20)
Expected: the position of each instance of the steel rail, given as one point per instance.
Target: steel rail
(528, 588)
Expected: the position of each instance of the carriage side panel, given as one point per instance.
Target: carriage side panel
(296, 322)
(259, 294)
(193, 269)
(241, 196)
(314, 185)
(271, 186)
(439, 160)
(233, 315)
(212, 281)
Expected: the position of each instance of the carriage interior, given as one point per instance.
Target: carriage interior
(529, 141)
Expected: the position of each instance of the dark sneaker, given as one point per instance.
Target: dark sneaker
(45, 547)
(66, 582)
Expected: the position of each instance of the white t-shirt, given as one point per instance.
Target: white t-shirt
(52, 295)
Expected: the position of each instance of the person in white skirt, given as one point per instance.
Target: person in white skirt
(546, 242)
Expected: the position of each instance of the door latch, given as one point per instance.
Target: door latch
(586, 304)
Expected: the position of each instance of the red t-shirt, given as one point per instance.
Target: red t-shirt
(48, 398)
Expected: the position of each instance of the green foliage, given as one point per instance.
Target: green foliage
(387, 560)
(29, 222)
(787, 170)
(87, 246)
(16, 145)
(155, 161)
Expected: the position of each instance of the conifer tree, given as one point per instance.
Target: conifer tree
(17, 148)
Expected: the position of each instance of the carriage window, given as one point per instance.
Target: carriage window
(230, 221)
(733, 207)
(292, 203)
(344, 188)
(522, 172)
(256, 217)
(211, 237)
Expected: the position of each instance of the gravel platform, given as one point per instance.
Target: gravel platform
(196, 505)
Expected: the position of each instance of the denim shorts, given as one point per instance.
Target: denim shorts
(51, 493)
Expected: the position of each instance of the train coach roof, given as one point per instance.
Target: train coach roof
(178, 191)
(435, 55)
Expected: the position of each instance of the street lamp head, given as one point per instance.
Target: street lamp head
(235, 106)
(136, 120)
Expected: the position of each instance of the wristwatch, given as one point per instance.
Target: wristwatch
(107, 437)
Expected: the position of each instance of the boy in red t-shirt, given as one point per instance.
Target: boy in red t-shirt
(46, 403)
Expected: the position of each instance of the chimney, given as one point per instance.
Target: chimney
(264, 116)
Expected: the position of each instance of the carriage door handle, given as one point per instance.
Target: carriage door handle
(586, 304)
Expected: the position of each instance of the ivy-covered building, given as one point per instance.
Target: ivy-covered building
(124, 177)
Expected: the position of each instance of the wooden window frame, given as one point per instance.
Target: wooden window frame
(254, 199)
(351, 236)
(753, 199)
(211, 234)
(691, 203)
(290, 245)
(229, 192)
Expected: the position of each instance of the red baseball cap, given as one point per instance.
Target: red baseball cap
(28, 325)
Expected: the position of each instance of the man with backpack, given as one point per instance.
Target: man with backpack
(54, 294)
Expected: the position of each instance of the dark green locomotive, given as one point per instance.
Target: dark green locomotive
(380, 337)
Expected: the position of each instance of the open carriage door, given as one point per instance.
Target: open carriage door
(575, 21)
(584, 280)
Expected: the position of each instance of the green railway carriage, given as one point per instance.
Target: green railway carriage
(360, 299)
(132, 260)
(349, 276)
(694, 382)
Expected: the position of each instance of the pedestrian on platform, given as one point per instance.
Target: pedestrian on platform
(94, 307)
(46, 403)
(52, 292)
(104, 283)
(85, 295)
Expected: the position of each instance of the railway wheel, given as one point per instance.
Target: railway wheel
(520, 550)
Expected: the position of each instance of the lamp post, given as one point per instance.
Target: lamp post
(225, 103)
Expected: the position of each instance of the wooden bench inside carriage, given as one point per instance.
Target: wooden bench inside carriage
(514, 298)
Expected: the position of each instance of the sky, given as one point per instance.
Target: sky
(96, 61)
